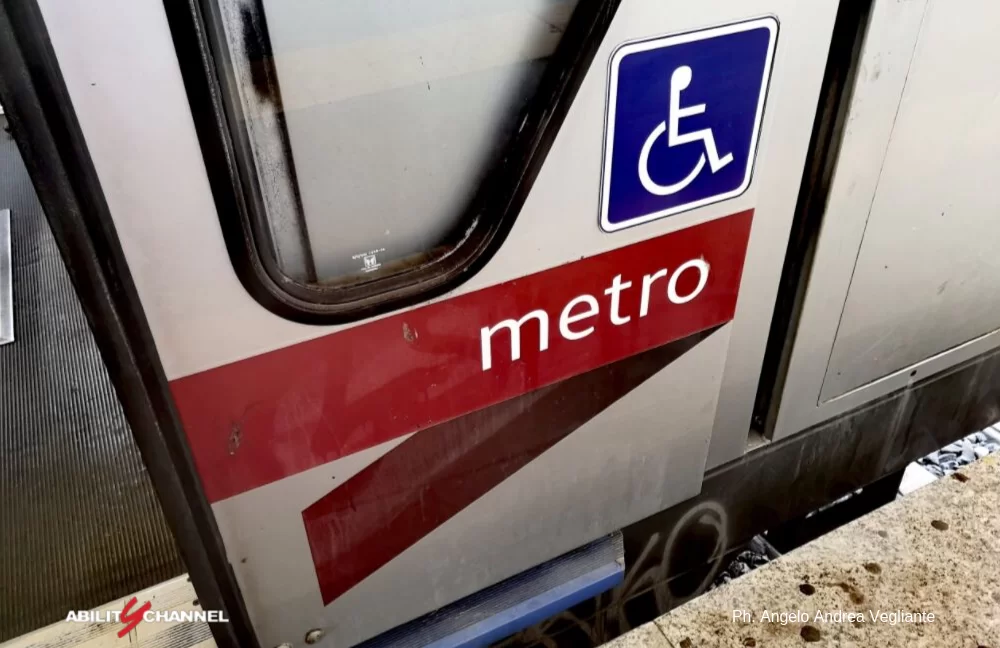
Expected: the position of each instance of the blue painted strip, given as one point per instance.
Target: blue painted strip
(535, 609)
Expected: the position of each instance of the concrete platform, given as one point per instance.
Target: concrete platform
(923, 571)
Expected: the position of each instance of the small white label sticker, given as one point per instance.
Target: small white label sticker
(369, 260)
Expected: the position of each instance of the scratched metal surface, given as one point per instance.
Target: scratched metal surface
(79, 522)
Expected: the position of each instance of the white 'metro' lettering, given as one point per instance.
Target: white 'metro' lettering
(515, 336)
(702, 280)
(615, 291)
(568, 317)
(585, 307)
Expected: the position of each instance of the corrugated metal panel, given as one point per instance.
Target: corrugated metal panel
(79, 521)
(6, 288)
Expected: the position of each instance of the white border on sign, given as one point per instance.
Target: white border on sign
(632, 47)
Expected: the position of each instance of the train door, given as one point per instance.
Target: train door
(917, 296)
(441, 291)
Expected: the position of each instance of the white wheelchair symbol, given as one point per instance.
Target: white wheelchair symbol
(679, 80)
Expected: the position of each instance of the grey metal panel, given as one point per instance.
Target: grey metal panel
(897, 290)
(80, 524)
(640, 455)
(6, 281)
(799, 62)
(927, 277)
(884, 63)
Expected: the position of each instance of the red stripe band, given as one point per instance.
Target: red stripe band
(258, 420)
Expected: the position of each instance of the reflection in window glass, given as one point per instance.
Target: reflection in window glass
(372, 123)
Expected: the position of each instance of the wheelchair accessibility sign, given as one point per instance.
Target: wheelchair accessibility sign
(684, 114)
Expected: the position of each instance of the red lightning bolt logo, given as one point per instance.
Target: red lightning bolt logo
(132, 619)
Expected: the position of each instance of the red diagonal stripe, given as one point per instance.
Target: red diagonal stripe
(403, 496)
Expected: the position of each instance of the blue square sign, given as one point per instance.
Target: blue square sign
(684, 114)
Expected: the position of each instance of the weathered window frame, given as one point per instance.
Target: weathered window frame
(202, 50)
